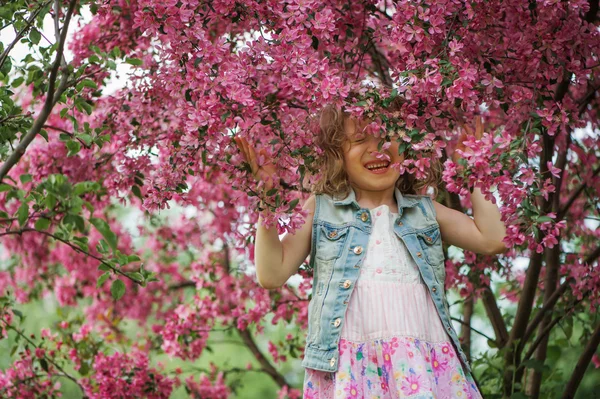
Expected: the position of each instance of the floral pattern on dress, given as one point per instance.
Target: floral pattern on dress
(402, 367)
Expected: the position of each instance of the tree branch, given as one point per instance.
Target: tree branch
(51, 98)
(382, 65)
(549, 305)
(264, 362)
(592, 15)
(495, 316)
(465, 331)
(582, 364)
(76, 248)
(249, 341)
(544, 333)
(563, 211)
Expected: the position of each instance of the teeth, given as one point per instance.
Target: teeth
(377, 165)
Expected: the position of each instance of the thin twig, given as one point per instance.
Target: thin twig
(474, 329)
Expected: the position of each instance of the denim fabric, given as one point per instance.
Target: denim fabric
(340, 235)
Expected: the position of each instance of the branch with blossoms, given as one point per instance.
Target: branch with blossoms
(76, 248)
(40, 355)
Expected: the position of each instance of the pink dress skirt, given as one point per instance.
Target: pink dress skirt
(392, 344)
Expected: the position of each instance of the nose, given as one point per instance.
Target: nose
(373, 143)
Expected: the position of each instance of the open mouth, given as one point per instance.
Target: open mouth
(378, 167)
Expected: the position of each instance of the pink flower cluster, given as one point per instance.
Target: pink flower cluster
(207, 387)
(126, 376)
(25, 379)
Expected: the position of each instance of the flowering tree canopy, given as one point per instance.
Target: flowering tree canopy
(203, 72)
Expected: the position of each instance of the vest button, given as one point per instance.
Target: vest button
(399, 223)
(347, 283)
(428, 239)
(358, 250)
(364, 217)
(337, 322)
(419, 254)
(332, 234)
(332, 361)
(434, 289)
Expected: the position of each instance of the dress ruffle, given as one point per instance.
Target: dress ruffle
(399, 367)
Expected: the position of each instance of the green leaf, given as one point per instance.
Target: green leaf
(44, 364)
(23, 213)
(5, 187)
(42, 224)
(76, 221)
(133, 61)
(293, 204)
(117, 289)
(50, 201)
(44, 134)
(86, 138)
(25, 178)
(64, 112)
(106, 232)
(17, 82)
(73, 147)
(35, 36)
(136, 276)
(86, 83)
(86, 107)
(104, 268)
(137, 192)
(102, 279)
(315, 43)
(133, 258)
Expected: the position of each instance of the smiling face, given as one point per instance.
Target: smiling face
(365, 171)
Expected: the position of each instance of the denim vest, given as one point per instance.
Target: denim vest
(340, 235)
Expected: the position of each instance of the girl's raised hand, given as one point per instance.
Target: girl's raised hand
(265, 172)
(466, 132)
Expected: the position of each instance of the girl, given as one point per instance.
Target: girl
(379, 324)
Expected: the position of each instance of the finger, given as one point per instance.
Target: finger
(479, 127)
(242, 148)
(253, 159)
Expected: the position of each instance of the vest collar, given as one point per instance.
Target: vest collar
(403, 202)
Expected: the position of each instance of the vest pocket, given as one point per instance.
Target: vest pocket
(330, 242)
(431, 243)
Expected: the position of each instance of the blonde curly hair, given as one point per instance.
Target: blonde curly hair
(333, 180)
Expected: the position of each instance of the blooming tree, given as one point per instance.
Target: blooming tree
(204, 72)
